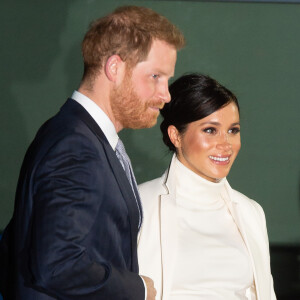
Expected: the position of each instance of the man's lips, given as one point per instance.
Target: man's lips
(157, 107)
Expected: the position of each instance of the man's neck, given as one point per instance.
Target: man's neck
(100, 94)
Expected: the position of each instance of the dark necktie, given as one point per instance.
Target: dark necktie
(126, 164)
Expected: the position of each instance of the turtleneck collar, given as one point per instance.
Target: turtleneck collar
(195, 192)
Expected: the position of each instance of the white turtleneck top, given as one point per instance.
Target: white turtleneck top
(212, 260)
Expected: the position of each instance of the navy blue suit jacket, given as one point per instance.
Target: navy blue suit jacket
(73, 233)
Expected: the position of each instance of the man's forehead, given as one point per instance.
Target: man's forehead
(161, 57)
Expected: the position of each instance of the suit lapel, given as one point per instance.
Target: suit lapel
(138, 200)
(125, 188)
(116, 168)
(129, 197)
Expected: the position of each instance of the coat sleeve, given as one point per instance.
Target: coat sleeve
(68, 189)
(263, 226)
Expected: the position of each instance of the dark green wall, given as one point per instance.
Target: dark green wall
(253, 49)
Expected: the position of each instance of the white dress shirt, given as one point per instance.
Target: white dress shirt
(99, 116)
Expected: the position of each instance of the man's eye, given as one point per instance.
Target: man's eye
(155, 76)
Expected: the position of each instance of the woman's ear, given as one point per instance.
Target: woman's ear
(174, 136)
(113, 66)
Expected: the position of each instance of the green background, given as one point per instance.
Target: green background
(251, 48)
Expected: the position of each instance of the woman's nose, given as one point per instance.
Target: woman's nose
(224, 142)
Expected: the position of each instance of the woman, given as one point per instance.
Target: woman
(201, 239)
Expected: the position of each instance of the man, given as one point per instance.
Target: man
(77, 213)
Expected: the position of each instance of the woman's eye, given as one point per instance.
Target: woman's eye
(155, 76)
(234, 130)
(210, 130)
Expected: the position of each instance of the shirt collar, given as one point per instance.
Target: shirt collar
(99, 116)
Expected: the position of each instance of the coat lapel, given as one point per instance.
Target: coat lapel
(169, 230)
(168, 240)
(247, 225)
(251, 238)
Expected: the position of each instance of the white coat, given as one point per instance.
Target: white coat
(157, 243)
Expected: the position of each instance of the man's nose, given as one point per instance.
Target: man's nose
(164, 93)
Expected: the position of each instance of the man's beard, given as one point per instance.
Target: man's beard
(129, 109)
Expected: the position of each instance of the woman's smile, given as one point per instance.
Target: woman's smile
(210, 145)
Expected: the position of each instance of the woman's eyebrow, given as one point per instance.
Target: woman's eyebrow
(217, 123)
(210, 123)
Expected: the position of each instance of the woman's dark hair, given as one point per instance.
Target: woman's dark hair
(193, 97)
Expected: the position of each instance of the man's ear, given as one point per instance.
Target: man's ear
(113, 66)
(174, 136)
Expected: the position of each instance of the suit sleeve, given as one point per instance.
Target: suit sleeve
(68, 191)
